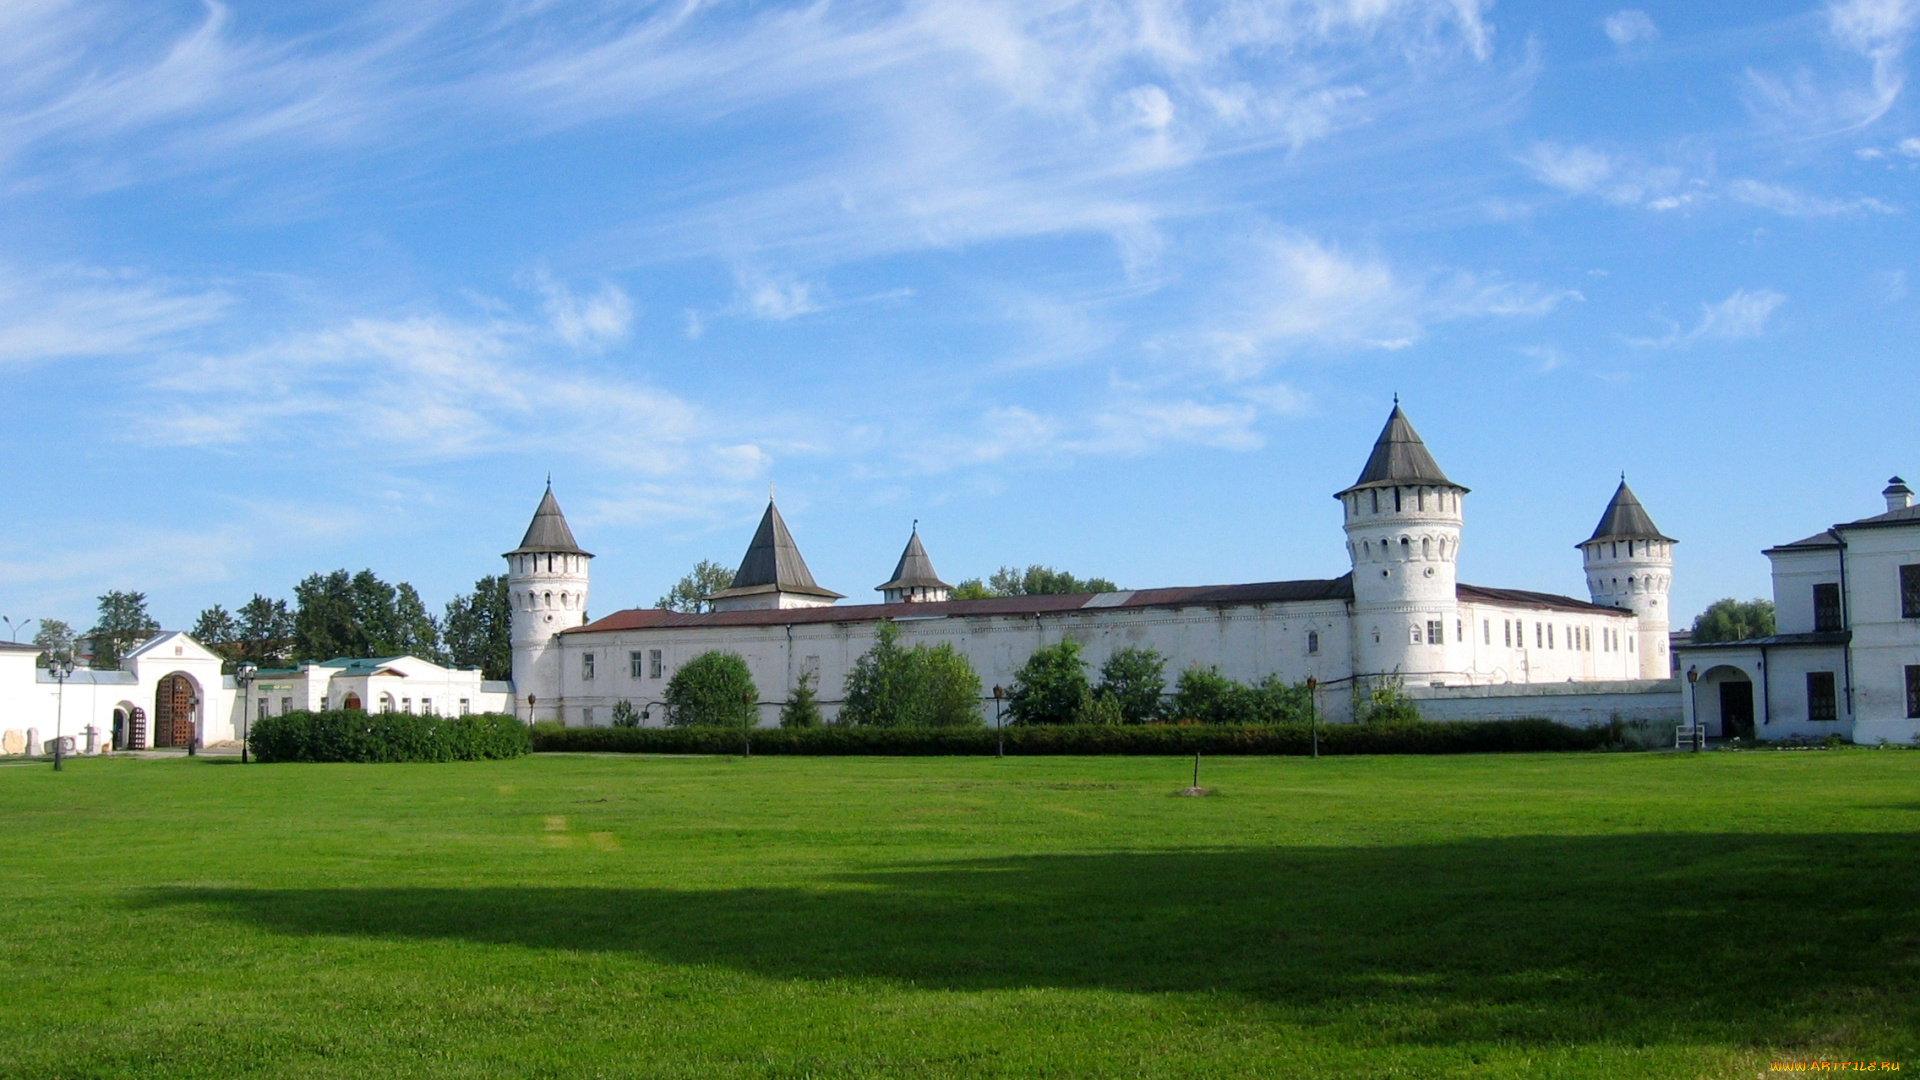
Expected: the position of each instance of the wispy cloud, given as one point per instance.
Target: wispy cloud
(1817, 104)
(1629, 27)
(1786, 201)
(585, 322)
(1743, 314)
(71, 312)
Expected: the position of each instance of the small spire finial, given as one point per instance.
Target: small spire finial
(1396, 399)
(549, 480)
(916, 524)
(1623, 476)
(769, 491)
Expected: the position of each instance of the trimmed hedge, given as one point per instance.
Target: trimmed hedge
(352, 735)
(1461, 737)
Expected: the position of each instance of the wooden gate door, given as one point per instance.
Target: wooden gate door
(173, 712)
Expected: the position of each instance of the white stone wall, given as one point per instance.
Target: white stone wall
(1579, 704)
(1548, 645)
(1884, 642)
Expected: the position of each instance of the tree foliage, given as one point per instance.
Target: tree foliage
(924, 686)
(1385, 702)
(624, 714)
(1051, 687)
(123, 623)
(1035, 580)
(262, 632)
(359, 615)
(478, 631)
(690, 593)
(1135, 680)
(714, 689)
(1733, 620)
(802, 707)
(1203, 694)
(55, 639)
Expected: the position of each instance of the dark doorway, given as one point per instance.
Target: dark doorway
(119, 729)
(351, 701)
(173, 707)
(1736, 710)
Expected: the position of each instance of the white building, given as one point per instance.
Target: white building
(1845, 658)
(1462, 650)
(170, 692)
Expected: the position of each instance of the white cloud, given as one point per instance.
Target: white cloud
(1879, 32)
(1743, 314)
(597, 320)
(1791, 203)
(779, 300)
(1583, 170)
(80, 312)
(1630, 25)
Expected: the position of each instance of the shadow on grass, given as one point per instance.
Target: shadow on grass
(1751, 939)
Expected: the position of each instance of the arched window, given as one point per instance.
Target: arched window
(1414, 634)
(1406, 548)
(1426, 547)
(1313, 642)
(549, 598)
(1376, 635)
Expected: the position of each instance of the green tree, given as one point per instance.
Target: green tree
(1385, 702)
(218, 630)
(690, 592)
(1205, 695)
(802, 708)
(123, 624)
(1733, 620)
(1100, 707)
(265, 631)
(924, 686)
(1051, 687)
(478, 629)
(324, 626)
(624, 714)
(375, 615)
(417, 631)
(714, 689)
(1035, 580)
(55, 639)
(1135, 679)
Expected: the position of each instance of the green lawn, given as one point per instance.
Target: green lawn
(1589, 915)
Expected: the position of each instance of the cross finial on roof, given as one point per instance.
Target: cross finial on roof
(1396, 397)
(549, 480)
(916, 524)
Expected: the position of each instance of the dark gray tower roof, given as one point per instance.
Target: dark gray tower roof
(915, 569)
(1399, 458)
(773, 562)
(1626, 519)
(549, 532)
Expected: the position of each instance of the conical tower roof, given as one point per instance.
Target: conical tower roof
(1399, 458)
(915, 569)
(548, 532)
(1626, 519)
(773, 562)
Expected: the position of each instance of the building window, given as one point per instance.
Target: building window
(586, 665)
(1913, 691)
(1413, 634)
(1506, 631)
(636, 664)
(1549, 635)
(1826, 606)
(262, 711)
(426, 706)
(1820, 699)
(586, 716)
(1460, 630)
(653, 663)
(1436, 632)
(1910, 592)
(466, 706)
(1486, 631)
(1313, 642)
(286, 705)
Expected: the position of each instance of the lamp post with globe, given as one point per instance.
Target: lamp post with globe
(243, 676)
(61, 668)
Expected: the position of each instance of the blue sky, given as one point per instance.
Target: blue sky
(1122, 287)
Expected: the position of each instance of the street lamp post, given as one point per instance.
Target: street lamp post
(1693, 699)
(1313, 714)
(14, 628)
(243, 677)
(61, 668)
(193, 717)
(749, 715)
(999, 728)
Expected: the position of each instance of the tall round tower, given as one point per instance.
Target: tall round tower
(1629, 565)
(547, 587)
(1403, 521)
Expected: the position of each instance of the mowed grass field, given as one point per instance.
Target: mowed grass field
(1594, 915)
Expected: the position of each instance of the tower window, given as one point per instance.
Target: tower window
(1313, 642)
(1406, 548)
(1413, 634)
(1436, 632)
(1396, 500)
(1913, 691)
(1421, 494)
(1376, 635)
(586, 665)
(1376, 500)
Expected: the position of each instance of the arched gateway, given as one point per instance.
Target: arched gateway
(175, 705)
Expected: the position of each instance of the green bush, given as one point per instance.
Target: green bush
(624, 714)
(1051, 687)
(1206, 696)
(1423, 737)
(714, 689)
(925, 686)
(352, 735)
(1136, 680)
(1385, 703)
(802, 709)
